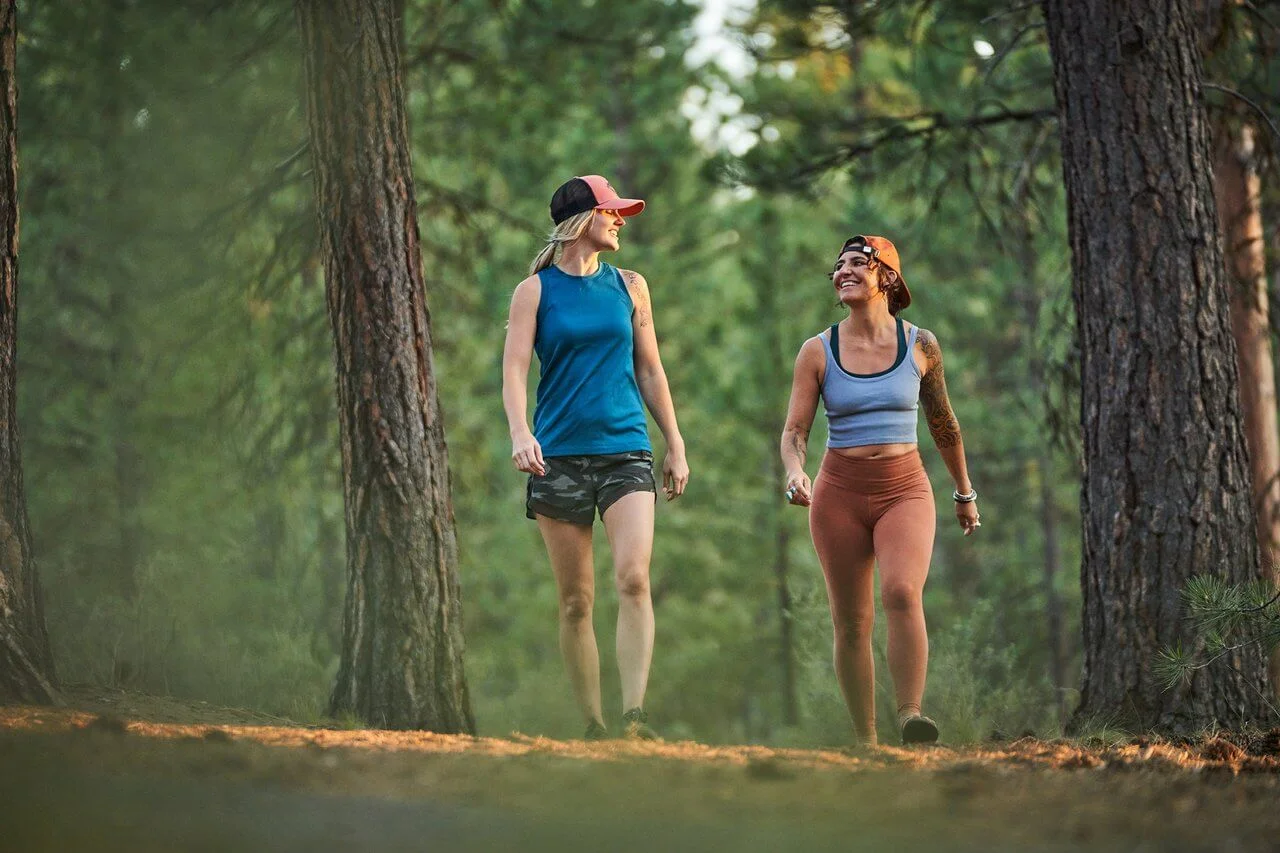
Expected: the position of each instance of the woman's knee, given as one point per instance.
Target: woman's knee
(632, 582)
(900, 597)
(853, 629)
(576, 604)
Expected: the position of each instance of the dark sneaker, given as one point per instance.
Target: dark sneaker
(919, 729)
(637, 725)
(596, 731)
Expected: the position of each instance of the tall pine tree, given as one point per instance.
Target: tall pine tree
(402, 633)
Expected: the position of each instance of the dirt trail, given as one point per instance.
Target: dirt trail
(122, 771)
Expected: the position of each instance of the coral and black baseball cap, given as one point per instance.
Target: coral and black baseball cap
(880, 249)
(590, 192)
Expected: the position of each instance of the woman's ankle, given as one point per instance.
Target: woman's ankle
(865, 736)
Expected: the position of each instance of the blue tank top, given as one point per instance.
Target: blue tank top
(872, 408)
(588, 400)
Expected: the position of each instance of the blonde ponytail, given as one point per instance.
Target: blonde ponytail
(562, 235)
(544, 258)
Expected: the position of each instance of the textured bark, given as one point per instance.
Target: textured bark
(26, 664)
(1166, 485)
(402, 643)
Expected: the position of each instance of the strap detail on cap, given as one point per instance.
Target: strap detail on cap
(859, 243)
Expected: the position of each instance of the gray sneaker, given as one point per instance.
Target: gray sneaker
(918, 729)
(637, 726)
(596, 731)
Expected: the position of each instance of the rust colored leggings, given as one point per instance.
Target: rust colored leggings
(867, 512)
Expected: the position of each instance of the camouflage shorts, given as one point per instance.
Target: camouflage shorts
(574, 487)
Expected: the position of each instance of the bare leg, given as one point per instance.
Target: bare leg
(569, 547)
(629, 523)
(904, 544)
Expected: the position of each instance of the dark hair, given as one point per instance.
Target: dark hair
(894, 293)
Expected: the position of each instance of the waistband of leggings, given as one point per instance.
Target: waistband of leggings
(873, 475)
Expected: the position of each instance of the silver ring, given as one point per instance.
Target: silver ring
(790, 492)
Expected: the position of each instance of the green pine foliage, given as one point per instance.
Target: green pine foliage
(1225, 618)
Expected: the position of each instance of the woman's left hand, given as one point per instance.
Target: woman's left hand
(675, 474)
(967, 515)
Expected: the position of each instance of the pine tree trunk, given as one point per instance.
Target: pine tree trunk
(622, 110)
(1052, 561)
(776, 363)
(1166, 483)
(26, 663)
(123, 357)
(402, 643)
(1030, 297)
(1239, 194)
(1240, 214)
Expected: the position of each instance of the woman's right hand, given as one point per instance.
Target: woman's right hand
(526, 453)
(799, 489)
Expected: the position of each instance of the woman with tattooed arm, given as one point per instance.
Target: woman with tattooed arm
(871, 502)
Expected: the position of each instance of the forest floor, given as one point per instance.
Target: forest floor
(123, 771)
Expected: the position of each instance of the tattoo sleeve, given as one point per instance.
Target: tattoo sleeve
(640, 297)
(933, 395)
(798, 442)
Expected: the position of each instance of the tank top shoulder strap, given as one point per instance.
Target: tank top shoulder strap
(910, 356)
(614, 280)
(544, 293)
(550, 273)
(905, 342)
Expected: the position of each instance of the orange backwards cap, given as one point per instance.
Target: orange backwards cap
(880, 249)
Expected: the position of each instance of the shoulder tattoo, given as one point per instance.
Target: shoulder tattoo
(942, 422)
(639, 297)
(929, 346)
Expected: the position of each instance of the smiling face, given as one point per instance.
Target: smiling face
(602, 233)
(858, 278)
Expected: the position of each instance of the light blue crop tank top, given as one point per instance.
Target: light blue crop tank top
(872, 408)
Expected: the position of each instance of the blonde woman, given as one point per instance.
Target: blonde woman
(591, 326)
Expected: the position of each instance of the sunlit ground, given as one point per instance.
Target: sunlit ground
(124, 771)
